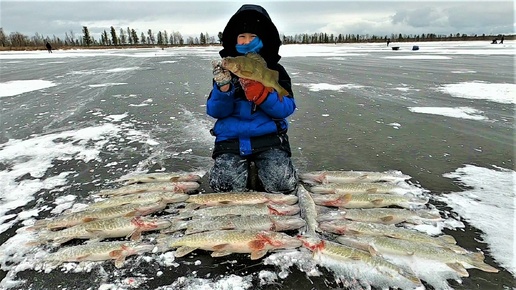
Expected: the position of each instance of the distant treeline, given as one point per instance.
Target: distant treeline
(130, 38)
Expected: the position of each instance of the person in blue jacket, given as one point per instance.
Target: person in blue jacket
(251, 121)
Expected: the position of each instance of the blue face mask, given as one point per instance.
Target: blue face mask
(254, 46)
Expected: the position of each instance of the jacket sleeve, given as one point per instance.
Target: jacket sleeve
(220, 104)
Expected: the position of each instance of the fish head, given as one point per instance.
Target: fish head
(283, 198)
(277, 240)
(149, 208)
(338, 226)
(285, 223)
(280, 209)
(230, 63)
(150, 224)
(186, 186)
(312, 243)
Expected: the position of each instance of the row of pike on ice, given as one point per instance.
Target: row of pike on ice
(362, 228)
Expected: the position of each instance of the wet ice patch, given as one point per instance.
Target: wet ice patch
(13, 88)
(106, 85)
(459, 112)
(329, 87)
(232, 281)
(117, 118)
(488, 204)
(421, 56)
(497, 92)
(463, 71)
(121, 69)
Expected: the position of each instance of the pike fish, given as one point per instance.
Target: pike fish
(354, 187)
(352, 176)
(387, 245)
(344, 227)
(341, 258)
(165, 197)
(349, 200)
(240, 209)
(159, 177)
(379, 215)
(106, 228)
(250, 222)
(308, 211)
(226, 242)
(92, 214)
(99, 251)
(212, 199)
(179, 187)
(252, 66)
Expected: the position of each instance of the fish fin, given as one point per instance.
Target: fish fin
(372, 190)
(371, 250)
(192, 206)
(119, 262)
(352, 232)
(183, 251)
(256, 57)
(62, 240)
(388, 218)
(220, 247)
(377, 201)
(88, 219)
(457, 267)
(92, 241)
(447, 239)
(394, 235)
(33, 243)
(135, 235)
(255, 255)
(220, 253)
(477, 261)
(115, 253)
(132, 213)
(256, 244)
(83, 257)
(346, 198)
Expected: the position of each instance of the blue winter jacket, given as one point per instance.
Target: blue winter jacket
(241, 121)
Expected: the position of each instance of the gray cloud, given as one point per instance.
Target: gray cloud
(192, 18)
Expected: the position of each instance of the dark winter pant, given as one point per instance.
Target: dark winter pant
(275, 171)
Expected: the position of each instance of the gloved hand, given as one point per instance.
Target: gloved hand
(220, 75)
(255, 91)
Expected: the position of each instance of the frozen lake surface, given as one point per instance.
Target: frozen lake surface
(72, 122)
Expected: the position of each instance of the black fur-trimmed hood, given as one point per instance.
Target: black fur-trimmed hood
(253, 19)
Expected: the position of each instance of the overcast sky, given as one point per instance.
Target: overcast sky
(191, 18)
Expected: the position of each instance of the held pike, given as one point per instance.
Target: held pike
(349, 200)
(308, 211)
(342, 188)
(180, 187)
(212, 199)
(165, 197)
(240, 209)
(88, 215)
(105, 228)
(351, 262)
(386, 245)
(379, 215)
(251, 222)
(226, 242)
(159, 177)
(352, 176)
(343, 227)
(99, 251)
(252, 66)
